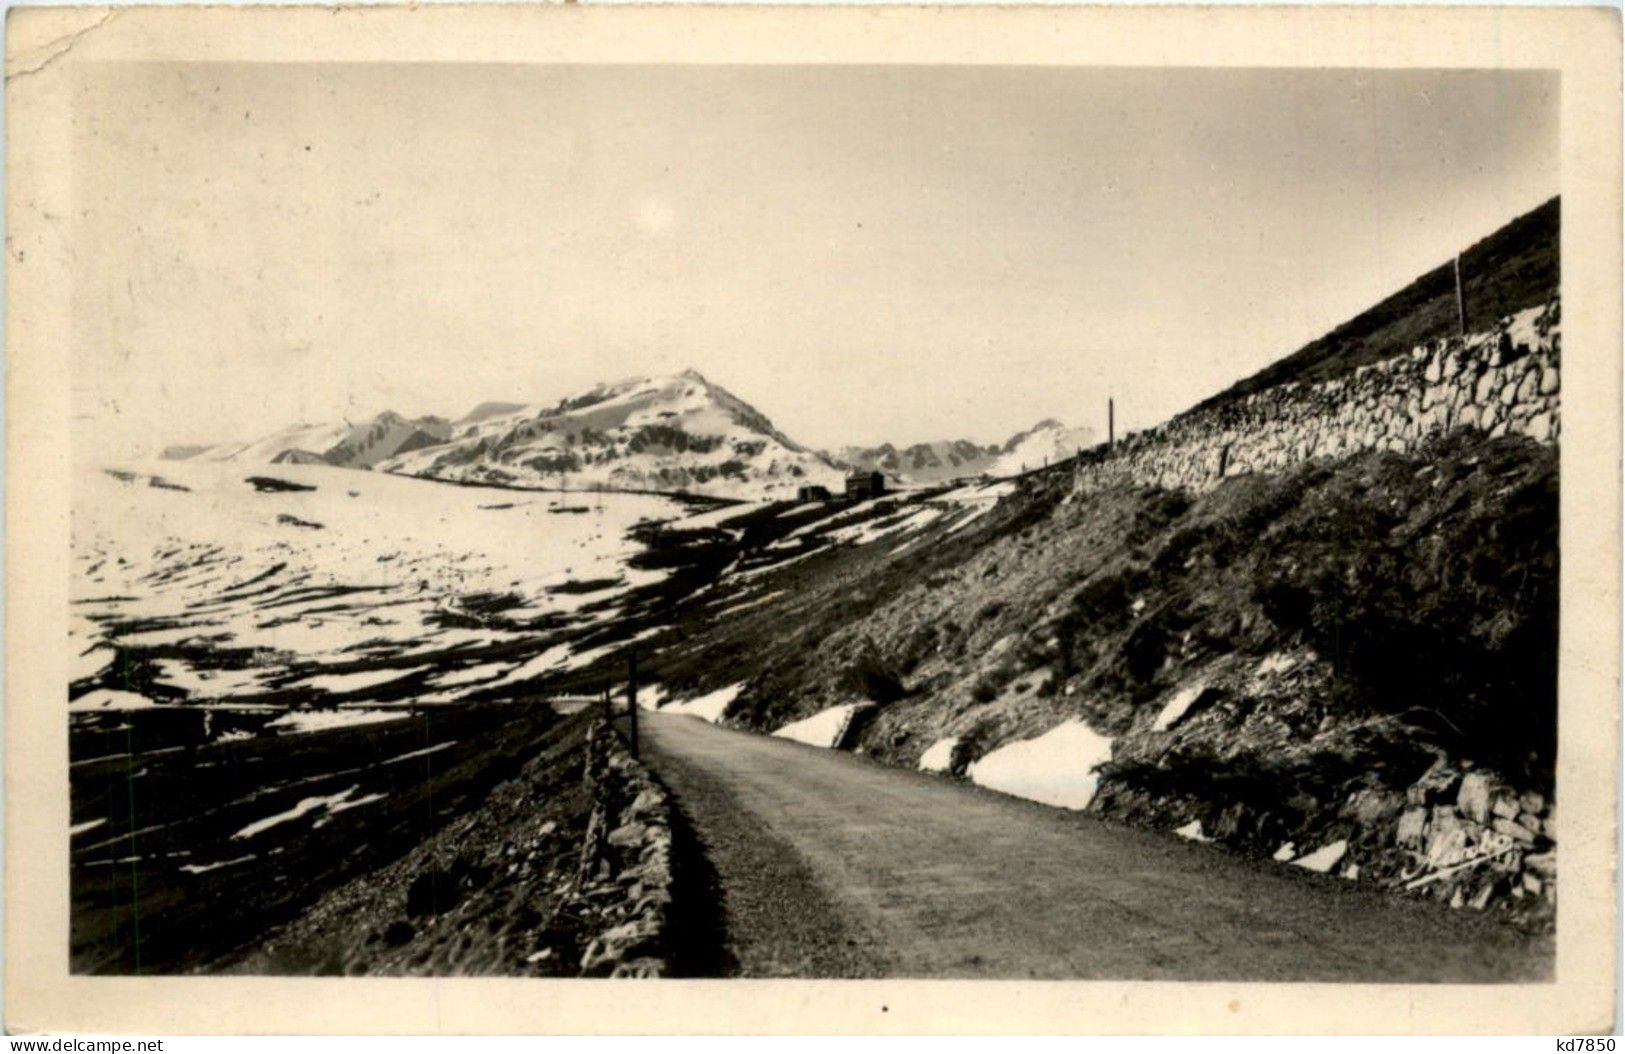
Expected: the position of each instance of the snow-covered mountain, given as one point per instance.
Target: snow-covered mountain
(1046, 442)
(345, 445)
(672, 433)
(1043, 444)
(923, 462)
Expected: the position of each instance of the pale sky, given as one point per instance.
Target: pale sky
(864, 253)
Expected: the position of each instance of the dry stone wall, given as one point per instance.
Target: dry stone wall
(1501, 382)
(624, 878)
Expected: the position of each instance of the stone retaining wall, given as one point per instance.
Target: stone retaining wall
(624, 878)
(1501, 382)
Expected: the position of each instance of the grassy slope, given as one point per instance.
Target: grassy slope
(1514, 268)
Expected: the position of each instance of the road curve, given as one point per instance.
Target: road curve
(832, 865)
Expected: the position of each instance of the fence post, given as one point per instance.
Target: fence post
(632, 701)
(1111, 424)
(1461, 302)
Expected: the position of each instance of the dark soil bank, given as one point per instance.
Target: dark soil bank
(484, 894)
(206, 848)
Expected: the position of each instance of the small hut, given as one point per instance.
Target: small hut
(860, 485)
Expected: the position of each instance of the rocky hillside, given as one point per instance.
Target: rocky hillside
(675, 433)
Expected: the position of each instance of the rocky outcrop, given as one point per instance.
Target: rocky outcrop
(624, 878)
(1501, 382)
(1471, 839)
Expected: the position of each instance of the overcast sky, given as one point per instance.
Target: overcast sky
(863, 253)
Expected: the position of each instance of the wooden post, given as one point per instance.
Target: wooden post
(1111, 424)
(632, 702)
(1461, 302)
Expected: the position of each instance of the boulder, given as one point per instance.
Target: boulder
(649, 802)
(1542, 864)
(1476, 793)
(1374, 806)
(1448, 837)
(1504, 804)
(1513, 829)
(1438, 783)
(1532, 802)
(1528, 386)
(1481, 898)
(641, 968)
(1411, 831)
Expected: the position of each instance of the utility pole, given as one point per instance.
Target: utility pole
(1111, 424)
(1461, 302)
(632, 701)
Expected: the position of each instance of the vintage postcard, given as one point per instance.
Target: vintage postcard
(887, 520)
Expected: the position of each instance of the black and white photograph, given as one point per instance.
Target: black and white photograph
(821, 521)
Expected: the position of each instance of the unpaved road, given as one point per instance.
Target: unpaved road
(830, 865)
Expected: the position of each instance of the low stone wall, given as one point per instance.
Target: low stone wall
(624, 878)
(1501, 382)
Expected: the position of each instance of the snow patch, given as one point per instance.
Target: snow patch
(1056, 768)
(1193, 832)
(81, 828)
(198, 869)
(321, 720)
(92, 662)
(305, 806)
(1280, 662)
(1176, 707)
(109, 699)
(469, 674)
(336, 683)
(823, 729)
(709, 707)
(1324, 858)
(939, 756)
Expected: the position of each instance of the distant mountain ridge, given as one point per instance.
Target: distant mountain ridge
(1046, 442)
(676, 432)
(344, 445)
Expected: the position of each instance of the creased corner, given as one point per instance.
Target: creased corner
(54, 49)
